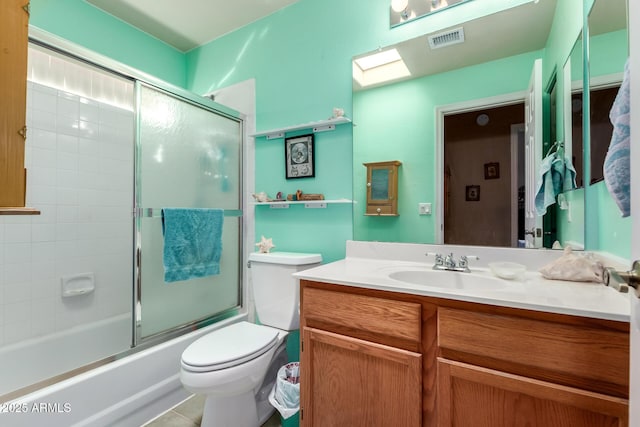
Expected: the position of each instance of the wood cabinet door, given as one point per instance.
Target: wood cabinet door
(14, 25)
(469, 395)
(350, 382)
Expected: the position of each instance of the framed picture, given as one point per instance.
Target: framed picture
(491, 170)
(299, 157)
(472, 193)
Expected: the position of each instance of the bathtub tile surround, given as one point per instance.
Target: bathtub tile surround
(79, 157)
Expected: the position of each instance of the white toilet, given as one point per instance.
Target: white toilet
(236, 366)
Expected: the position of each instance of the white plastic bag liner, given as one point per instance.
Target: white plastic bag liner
(285, 394)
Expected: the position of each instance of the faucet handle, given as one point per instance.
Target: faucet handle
(439, 260)
(464, 260)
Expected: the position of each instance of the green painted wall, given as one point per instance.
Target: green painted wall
(88, 26)
(301, 60)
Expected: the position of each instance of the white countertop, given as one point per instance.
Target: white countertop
(531, 292)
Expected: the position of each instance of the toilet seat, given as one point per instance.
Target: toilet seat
(230, 346)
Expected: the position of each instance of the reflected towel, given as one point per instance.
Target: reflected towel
(550, 182)
(569, 181)
(192, 242)
(617, 163)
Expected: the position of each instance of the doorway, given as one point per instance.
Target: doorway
(483, 176)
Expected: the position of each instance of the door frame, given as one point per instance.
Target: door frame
(456, 108)
(516, 129)
(634, 69)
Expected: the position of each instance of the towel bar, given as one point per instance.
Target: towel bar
(157, 212)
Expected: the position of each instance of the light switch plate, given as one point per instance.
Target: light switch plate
(424, 208)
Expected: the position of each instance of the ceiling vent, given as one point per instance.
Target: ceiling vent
(446, 38)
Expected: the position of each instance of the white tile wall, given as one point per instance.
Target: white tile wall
(79, 156)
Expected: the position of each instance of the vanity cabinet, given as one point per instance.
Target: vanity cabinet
(361, 360)
(379, 358)
(14, 18)
(501, 368)
(382, 188)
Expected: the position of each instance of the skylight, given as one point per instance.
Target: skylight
(379, 67)
(377, 59)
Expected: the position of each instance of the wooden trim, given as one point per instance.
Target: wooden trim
(19, 211)
(14, 24)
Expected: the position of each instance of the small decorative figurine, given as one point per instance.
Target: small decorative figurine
(265, 245)
(261, 197)
(338, 112)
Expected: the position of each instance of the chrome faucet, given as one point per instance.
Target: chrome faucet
(448, 262)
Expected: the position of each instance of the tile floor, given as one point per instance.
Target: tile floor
(189, 414)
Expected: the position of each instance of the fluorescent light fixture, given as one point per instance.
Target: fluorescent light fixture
(379, 67)
(377, 59)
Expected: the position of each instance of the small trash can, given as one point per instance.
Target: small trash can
(285, 394)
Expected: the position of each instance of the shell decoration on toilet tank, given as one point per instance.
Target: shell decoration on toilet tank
(265, 245)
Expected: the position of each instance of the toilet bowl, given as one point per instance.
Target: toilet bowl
(236, 366)
(229, 366)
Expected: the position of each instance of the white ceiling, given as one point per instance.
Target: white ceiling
(186, 24)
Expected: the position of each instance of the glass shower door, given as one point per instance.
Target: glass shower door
(188, 156)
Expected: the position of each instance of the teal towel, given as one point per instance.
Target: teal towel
(192, 243)
(556, 175)
(617, 162)
(549, 182)
(569, 175)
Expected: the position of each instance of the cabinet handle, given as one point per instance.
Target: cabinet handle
(23, 132)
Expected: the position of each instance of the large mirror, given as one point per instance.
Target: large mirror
(608, 50)
(455, 118)
(570, 212)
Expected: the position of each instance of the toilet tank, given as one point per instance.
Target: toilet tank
(275, 291)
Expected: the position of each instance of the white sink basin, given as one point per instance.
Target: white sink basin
(447, 279)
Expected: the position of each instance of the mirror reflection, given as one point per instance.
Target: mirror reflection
(406, 107)
(402, 11)
(570, 211)
(477, 89)
(608, 41)
(607, 54)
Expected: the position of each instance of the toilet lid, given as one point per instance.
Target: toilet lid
(229, 346)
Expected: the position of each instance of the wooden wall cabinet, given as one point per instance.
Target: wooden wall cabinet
(382, 188)
(378, 358)
(14, 32)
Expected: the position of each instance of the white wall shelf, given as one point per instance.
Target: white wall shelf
(309, 204)
(319, 126)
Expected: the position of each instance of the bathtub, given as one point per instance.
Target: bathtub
(126, 392)
(30, 361)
